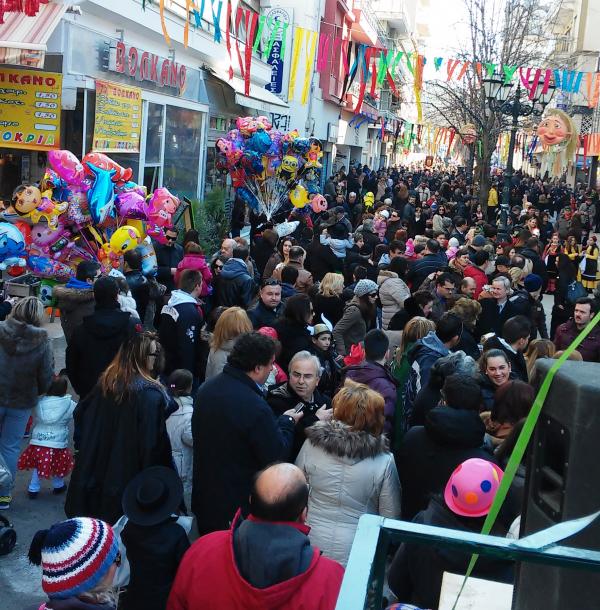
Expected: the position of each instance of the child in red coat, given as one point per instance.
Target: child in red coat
(194, 259)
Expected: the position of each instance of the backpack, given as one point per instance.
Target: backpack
(575, 290)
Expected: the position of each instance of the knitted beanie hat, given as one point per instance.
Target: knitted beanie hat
(75, 555)
(365, 287)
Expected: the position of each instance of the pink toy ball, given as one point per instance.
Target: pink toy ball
(472, 487)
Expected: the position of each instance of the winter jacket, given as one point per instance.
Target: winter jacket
(128, 305)
(305, 280)
(491, 320)
(235, 435)
(94, 344)
(179, 332)
(331, 307)
(322, 261)
(140, 290)
(197, 262)
(256, 565)
(154, 554)
(589, 348)
(26, 362)
(116, 441)
(217, 358)
(167, 258)
(481, 279)
(421, 268)
(294, 337)
(379, 379)
(75, 301)
(236, 286)
(52, 416)
(417, 570)
(410, 310)
(179, 429)
(260, 315)
(351, 329)
(392, 294)
(350, 473)
(282, 397)
(429, 454)
(273, 261)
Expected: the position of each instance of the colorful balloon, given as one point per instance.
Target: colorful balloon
(318, 203)
(12, 246)
(103, 162)
(48, 268)
(288, 167)
(299, 196)
(161, 207)
(369, 200)
(149, 262)
(66, 165)
(123, 239)
(101, 197)
(130, 204)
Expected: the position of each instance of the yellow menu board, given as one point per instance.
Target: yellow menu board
(30, 106)
(118, 118)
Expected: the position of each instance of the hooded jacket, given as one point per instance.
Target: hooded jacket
(236, 286)
(94, 344)
(26, 362)
(140, 291)
(51, 421)
(379, 379)
(256, 565)
(350, 473)
(417, 570)
(422, 357)
(197, 262)
(392, 294)
(75, 301)
(351, 329)
(429, 454)
(179, 428)
(179, 332)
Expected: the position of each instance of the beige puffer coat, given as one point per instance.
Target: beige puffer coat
(350, 474)
(392, 294)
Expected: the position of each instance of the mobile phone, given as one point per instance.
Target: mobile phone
(299, 407)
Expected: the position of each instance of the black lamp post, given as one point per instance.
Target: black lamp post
(504, 98)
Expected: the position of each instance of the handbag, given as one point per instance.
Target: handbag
(575, 290)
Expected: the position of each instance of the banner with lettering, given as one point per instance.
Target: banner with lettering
(118, 121)
(30, 108)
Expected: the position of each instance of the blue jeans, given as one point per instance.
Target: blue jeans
(12, 428)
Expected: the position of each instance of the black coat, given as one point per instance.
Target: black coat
(140, 291)
(116, 441)
(154, 554)
(490, 321)
(468, 344)
(260, 315)
(417, 570)
(235, 436)
(322, 261)
(167, 258)
(427, 399)
(294, 338)
(236, 287)
(281, 397)
(421, 268)
(94, 344)
(331, 307)
(429, 454)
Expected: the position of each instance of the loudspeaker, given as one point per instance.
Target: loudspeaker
(563, 482)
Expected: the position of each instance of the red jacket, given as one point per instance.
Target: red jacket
(589, 348)
(197, 262)
(208, 579)
(481, 279)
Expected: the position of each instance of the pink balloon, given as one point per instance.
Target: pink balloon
(130, 204)
(67, 166)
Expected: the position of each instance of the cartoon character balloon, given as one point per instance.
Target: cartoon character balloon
(161, 207)
(131, 204)
(102, 161)
(12, 246)
(559, 139)
(468, 133)
(288, 167)
(314, 154)
(101, 197)
(123, 239)
(318, 203)
(299, 196)
(26, 199)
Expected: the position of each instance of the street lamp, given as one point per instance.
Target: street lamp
(503, 98)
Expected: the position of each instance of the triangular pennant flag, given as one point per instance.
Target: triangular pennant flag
(451, 66)
(490, 68)
(437, 62)
(509, 72)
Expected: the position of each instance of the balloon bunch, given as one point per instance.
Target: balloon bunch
(268, 168)
(82, 210)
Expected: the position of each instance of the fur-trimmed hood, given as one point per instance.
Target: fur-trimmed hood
(339, 439)
(20, 338)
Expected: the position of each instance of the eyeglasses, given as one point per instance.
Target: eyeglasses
(374, 295)
(171, 237)
(218, 266)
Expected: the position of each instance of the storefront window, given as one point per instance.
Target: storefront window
(182, 151)
(213, 177)
(154, 133)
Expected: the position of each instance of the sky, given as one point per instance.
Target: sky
(447, 25)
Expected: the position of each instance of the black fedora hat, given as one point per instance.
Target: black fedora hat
(152, 496)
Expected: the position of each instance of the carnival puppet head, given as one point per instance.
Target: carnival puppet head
(26, 199)
(557, 127)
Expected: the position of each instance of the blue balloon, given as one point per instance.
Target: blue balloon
(301, 145)
(246, 196)
(259, 142)
(101, 197)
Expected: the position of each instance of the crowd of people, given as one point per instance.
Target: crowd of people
(379, 359)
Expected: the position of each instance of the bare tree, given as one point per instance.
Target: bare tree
(501, 32)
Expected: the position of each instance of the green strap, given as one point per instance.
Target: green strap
(522, 442)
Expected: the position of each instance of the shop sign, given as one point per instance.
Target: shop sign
(146, 66)
(274, 59)
(30, 108)
(118, 120)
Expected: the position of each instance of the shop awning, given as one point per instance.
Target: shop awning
(259, 98)
(23, 39)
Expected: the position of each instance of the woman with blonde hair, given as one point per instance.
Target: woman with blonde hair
(328, 301)
(27, 366)
(538, 348)
(232, 323)
(349, 469)
(468, 311)
(120, 430)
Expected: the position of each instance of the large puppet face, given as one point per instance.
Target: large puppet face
(553, 130)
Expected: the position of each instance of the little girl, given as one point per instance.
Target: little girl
(48, 454)
(179, 425)
(337, 239)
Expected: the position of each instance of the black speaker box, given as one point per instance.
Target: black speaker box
(563, 483)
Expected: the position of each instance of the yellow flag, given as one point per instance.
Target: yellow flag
(309, 64)
(298, 42)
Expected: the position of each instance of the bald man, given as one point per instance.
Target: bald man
(227, 247)
(273, 562)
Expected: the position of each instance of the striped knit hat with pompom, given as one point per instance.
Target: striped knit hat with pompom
(75, 555)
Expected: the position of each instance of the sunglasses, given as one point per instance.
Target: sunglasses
(218, 266)
(171, 238)
(271, 282)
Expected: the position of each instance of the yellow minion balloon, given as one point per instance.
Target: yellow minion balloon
(369, 200)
